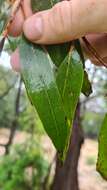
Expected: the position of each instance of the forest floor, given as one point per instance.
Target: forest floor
(89, 179)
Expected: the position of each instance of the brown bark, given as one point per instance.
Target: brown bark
(66, 176)
(14, 123)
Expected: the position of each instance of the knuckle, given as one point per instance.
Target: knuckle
(61, 18)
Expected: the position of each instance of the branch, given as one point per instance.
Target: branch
(15, 121)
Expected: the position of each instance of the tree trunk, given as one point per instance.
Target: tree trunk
(66, 176)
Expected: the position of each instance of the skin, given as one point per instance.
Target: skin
(74, 19)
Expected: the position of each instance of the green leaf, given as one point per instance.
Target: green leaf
(69, 81)
(43, 4)
(56, 52)
(102, 150)
(86, 88)
(43, 92)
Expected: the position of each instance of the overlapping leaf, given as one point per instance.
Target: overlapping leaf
(43, 92)
(54, 102)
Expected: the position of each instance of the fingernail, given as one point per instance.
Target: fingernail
(33, 28)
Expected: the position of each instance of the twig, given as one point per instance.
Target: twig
(15, 7)
(16, 4)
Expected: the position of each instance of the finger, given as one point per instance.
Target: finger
(50, 26)
(27, 8)
(67, 20)
(15, 61)
(17, 25)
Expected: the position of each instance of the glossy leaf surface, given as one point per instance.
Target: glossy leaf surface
(43, 92)
(102, 152)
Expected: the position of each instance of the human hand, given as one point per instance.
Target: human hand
(74, 19)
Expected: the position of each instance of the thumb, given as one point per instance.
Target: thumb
(66, 21)
(51, 26)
